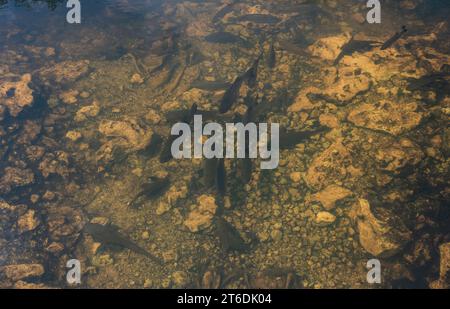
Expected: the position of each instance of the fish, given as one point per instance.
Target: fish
(166, 152)
(209, 167)
(430, 81)
(292, 48)
(210, 85)
(252, 73)
(394, 38)
(231, 95)
(223, 37)
(153, 189)
(182, 116)
(170, 74)
(229, 237)
(354, 46)
(259, 18)
(153, 147)
(271, 57)
(221, 178)
(223, 11)
(290, 139)
(109, 235)
(178, 115)
(245, 166)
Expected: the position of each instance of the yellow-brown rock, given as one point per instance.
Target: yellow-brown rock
(127, 134)
(202, 214)
(15, 96)
(390, 117)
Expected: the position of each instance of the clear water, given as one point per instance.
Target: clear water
(85, 141)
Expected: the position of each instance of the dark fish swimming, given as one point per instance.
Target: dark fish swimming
(210, 85)
(221, 178)
(292, 48)
(290, 139)
(229, 237)
(152, 189)
(183, 116)
(259, 18)
(209, 167)
(109, 235)
(223, 11)
(394, 38)
(223, 37)
(245, 168)
(252, 74)
(231, 95)
(166, 152)
(354, 46)
(153, 147)
(271, 57)
(437, 81)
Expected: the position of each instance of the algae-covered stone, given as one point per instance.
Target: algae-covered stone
(15, 96)
(330, 195)
(128, 134)
(21, 271)
(324, 218)
(28, 221)
(380, 237)
(391, 117)
(202, 214)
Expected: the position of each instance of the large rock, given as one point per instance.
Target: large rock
(55, 164)
(15, 96)
(381, 237)
(64, 72)
(348, 85)
(127, 134)
(330, 195)
(28, 221)
(444, 268)
(332, 165)
(14, 177)
(63, 222)
(202, 214)
(395, 156)
(330, 47)
(22, 271)
(393, 118)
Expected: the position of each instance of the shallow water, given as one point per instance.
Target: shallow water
(86, 111)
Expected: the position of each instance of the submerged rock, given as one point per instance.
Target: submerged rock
(63, 221)
(395, 156)
(393, 118)
(324, 218)
(332, 165)
(55, 164)
(15, 96)
(28, 221)
(444, 268)
(87, 112)
(21, 271)
(64, 72)
(127, 134)
(202, 214)
(330, 47)
(349, 84)
(330, 195)
(14, 177)
(381, 237)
